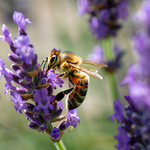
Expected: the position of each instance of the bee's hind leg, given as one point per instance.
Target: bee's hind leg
(62, 94)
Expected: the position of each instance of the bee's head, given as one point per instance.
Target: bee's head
(53, 58)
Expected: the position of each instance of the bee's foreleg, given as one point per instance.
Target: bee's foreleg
(61, 75)
(44, 62)
(62, 94)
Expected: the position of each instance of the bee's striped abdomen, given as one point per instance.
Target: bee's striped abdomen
(78, 95)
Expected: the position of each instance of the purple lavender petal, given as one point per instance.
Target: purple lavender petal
(2, 68)
(42, 99)
(20, 21)
(22, 41)
(60, 104)
(96, 55)
(24, 50)
(143, 15)
(53, 79)
(99, 29)
(131, 74)
(72, 118)
(8, 77)
(82, 6)
(123, 140)
(118, 112)
(140, 94)
(6, 37)
(18, 103)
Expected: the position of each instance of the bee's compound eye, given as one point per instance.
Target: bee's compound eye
(68, 62)
(53, 59)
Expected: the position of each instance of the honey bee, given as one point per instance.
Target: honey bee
(72, 67)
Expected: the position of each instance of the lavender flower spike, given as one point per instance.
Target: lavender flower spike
(33, 83)
(134, 129)
(104, 15)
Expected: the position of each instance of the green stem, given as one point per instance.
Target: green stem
(59, 145)
(108, 48)
(106, 44)
(113, 86)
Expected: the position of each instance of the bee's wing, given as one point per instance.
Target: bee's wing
(90, 71)
(94, 64)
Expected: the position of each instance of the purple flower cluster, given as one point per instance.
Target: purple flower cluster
(134, 130)
(138, 75)
(113, 65)
(104, 15)
(33, 83)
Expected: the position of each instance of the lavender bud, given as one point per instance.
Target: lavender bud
(33, 126)
(58, 112)
(29, 115)
(15, 67)
(20, 73)
(26, 66)
(144, 131)
(128, 107)
(55, 134)
(42, 81)
(138, 146)
(16, 78)
(43, 127)
(13, 49)
(47, 117)
(14, 58)
(136, 117)
(50, 91)
(128, 113)
(40, 120)
(29, 107)
(62, 126)
(21, 90)
(34, 61)
(125, 127)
